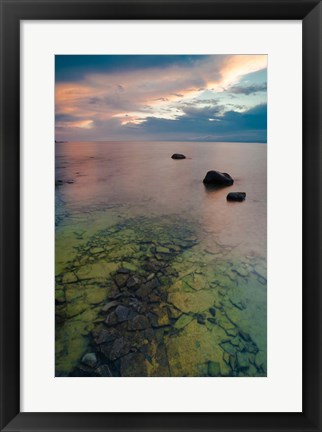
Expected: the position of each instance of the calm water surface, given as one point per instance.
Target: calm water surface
(188, 268)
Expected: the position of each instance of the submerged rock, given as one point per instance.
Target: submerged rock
(162, 249)
(133, 282)
(89, 359)
(120, 347)
(139, 322)
(121, 279)
(69, 278)
(104, 371)
(105, 335)
(129, 329)
(212, 311)
(133, 365)
(214, 369)
(242, 360)
(110, 305)
(201, 319)
(183, 321)
(244, 336)
(217, 178)
(236, 196)
(122, 313)
(178, 156)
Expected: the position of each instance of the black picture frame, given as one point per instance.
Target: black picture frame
(12, 12)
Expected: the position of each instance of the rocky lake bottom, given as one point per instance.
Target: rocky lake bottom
(145, 297)
(158, 274)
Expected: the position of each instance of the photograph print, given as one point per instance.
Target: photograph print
(161, 215)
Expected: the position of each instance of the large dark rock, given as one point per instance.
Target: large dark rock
(217, 178)
(236, 196)
(178, 156)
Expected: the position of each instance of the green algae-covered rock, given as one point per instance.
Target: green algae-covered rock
(241, 271)
(191, 302)
(242, 360)
(228, 348)
(69, 278)
(134, 365)
(76, 308)
(129, 266)
(95, 296)
(214, 369)
(59, 296)
(74, 292)
(96, 250)
(193, 346)
(162, 249)
(183, 321)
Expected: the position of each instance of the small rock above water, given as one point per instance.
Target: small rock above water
(217, 178)
(236, 196)
(178, 156)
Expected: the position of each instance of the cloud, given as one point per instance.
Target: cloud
(107, 105)
(247, 90)
(209, 111)
(250, 126)
(247, 126)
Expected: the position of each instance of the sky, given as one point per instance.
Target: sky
(161, 98)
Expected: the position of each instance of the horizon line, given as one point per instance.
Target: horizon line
(192, 141)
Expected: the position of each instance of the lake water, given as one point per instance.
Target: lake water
(157, 275)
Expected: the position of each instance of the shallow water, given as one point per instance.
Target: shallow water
(127, 211)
